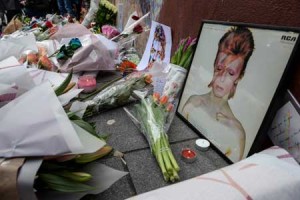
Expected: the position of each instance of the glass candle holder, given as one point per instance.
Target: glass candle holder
(188, 155)
(87, 83)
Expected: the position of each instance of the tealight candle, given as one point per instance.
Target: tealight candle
(202, 144)
(188, 155)
(87, 83)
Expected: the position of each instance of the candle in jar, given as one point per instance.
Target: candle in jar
(188, 155)
(87, 83)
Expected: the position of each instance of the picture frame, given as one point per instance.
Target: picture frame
(237, 72)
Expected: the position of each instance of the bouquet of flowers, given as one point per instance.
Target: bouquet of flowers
(184, 53)
(154, 114)
(117, 93)
(136, 26)
(66, 148)
(106, 14)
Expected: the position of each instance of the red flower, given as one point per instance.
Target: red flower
(134, 17)
(138, 29)
(48, 24)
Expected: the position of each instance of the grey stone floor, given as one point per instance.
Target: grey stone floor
(144, 173)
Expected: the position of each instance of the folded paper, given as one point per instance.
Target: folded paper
(263, 176)
(35, 124)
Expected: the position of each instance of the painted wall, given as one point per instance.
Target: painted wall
(185, 18)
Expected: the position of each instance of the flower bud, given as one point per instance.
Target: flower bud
(170, 107)
(156, 96)
(148, 78)
(45, 63)
(163, 100)
(32, 58)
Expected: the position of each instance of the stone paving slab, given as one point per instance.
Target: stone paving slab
(147, 176)
(121, 189)
(125, 136)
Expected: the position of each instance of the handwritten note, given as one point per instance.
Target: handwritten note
(285, 130)
(159, 84)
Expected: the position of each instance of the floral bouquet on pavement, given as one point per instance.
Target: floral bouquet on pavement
(117, 93)
(154, 114)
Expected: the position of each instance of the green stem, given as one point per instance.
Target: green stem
(55, 52)
(160, 160)
(170, 154)
(163, 151)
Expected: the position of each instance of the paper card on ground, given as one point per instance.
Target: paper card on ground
(35, 124)
(158, 47)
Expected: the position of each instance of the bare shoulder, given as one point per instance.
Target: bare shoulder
(192, 102)
(195, 100)
(239, 127)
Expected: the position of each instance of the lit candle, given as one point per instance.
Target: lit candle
(188, 155)
(87, 83)
(202, 144)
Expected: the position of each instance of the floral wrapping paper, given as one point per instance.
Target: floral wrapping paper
(268, 175)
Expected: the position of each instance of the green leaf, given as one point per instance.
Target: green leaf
(64, 85)
(74, 176)
(62, 184)
(86, 126)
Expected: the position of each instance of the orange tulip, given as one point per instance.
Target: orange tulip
(156, 96)
(45, 63)
(148, 78)
(32, 58)
(163, 100)
(170, 107)
(126, 66)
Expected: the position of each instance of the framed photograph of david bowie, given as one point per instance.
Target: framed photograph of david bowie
(237, 71)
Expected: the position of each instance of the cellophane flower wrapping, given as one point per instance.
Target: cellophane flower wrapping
(153, 115)
(119, 93)
(92, 56)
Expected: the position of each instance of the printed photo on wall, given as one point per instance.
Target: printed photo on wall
(158, 47)
(235, 73)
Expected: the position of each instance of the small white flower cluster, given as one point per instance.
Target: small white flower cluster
(109, 6)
